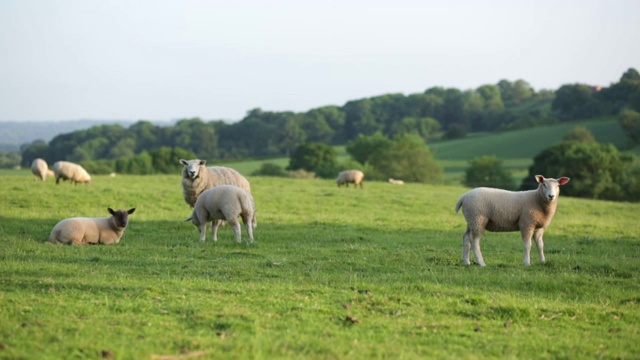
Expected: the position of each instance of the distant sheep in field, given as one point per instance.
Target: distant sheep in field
(355, 177)
(66, 170)
(394, 181)
(40, 169)
(83, 230)
(224, 202)
(196, 178)
(501, 210)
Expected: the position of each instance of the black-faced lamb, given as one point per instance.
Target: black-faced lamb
(499, 210)
(40, 169)
(196, 178)
(66, 170)
(224, 202)
(355, 177)
(84, 230)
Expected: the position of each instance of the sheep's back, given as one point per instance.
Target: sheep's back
(500, 208)
(220, 175)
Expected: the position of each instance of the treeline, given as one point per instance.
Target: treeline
(438, 111)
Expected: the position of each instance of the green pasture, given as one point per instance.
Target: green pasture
(335, 273)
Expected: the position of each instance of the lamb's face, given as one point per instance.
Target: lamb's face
(121, 217)
(550, 189)
(192, 167)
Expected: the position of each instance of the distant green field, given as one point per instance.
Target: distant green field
(516, 148)
(335, 273)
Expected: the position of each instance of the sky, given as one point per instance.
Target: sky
(165, 60)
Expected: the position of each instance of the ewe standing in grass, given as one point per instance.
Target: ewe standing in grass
(355, 177)
(224, 202)
(70, 171)
(501, 210)
(196, 178)
(83, 230)
(40, 169)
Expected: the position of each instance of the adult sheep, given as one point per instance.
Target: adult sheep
(355, 177)
(196, 178)
(224, 202)
(66, 170)
(84, 230)
(501, 210)
(40, 169)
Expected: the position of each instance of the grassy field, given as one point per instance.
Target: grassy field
(335, 273)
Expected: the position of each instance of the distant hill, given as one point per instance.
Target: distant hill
(15, 133)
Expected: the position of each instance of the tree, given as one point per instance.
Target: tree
(576, 102)
(407, 158)
(456, 131)
(316, 157)
(630, 122)
(579, 133)
(487, 171)
(363, 147)
(598, 170)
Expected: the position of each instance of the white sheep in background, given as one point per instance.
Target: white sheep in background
(501, 210)
(396, 182)
(84, 230)
(66, 170)
(224, 202)
(40, 169)
(355, 177)
(196, 178)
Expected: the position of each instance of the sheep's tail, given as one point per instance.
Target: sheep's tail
(459, 203)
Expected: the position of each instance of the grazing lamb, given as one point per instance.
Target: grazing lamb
(394, 181)
(40, 169)
(83, 230)
(501, 210)
(224, 202)
(196, 178)
(70, 171)
(355, 177)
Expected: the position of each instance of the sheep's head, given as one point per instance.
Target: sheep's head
(192, 167)
(121, 216)
(550, 188)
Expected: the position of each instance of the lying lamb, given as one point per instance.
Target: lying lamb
(83, 230)
(501, 210)
(224, 202)
(196, 178)
(355, 177)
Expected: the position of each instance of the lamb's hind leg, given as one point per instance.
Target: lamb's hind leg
(466, 246)
(475, 246)
(237, 232)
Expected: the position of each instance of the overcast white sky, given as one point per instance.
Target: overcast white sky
(164, 60)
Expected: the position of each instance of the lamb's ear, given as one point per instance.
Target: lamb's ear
(203, 162)
(189, 219)
(183, 162)
(130, 211)
(539, 178)
(563, 180)
(110, 211)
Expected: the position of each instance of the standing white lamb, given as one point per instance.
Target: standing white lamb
(66, 170)
(501, 210)
(40, 169)
(355, 177)
(224, 202)
(196, 178)
(84, 230)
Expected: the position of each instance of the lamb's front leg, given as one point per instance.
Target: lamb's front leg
(526, 240)
(537, 237)
(203, 231)
(215, 224)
